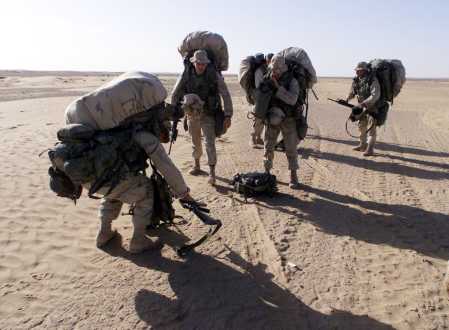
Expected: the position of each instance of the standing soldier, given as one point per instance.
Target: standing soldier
(367, 89)
(281, 117)
(203, 80)
(261, 71)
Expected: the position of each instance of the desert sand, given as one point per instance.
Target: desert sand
(362, 245)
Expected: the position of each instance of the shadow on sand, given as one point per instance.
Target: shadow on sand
(400, 148)
(211, 294)
(401, 226)
(374, 164)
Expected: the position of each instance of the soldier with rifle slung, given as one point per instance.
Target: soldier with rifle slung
(367, 89)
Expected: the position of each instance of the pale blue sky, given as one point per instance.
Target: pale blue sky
(143, 35)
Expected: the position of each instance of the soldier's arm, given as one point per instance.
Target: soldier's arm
(163, 163)
(178, 91)
(375, 95)
(224, 92)
(291, 95)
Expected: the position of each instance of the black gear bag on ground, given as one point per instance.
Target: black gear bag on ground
(255, 184)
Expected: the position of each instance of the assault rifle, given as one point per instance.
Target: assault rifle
(178, 113)
(356, 110)
(202, 213)
(342, 102)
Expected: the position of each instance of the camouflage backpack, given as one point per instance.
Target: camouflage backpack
(98, 158)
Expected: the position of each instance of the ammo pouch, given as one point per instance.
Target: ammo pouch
(163, 210)
(254, 184)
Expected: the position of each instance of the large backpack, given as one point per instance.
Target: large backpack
(212, 43)
(97, 145)
(246, 77)
(391, 77)
(300, 65)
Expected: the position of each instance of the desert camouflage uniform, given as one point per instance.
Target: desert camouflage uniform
(284, 101)
(202, 120)
(137, 189)
(256, 134)
(368, 92)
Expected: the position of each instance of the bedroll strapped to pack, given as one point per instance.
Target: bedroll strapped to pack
(212, 43)
(391, 77)
(255, 184)
(247, 70)
(113, 102)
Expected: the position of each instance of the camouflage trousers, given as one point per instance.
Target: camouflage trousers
(258, 126)
(290, 136)
(364, 124)
(206, 124)
(135, 189)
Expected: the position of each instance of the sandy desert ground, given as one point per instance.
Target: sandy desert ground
(363, 245)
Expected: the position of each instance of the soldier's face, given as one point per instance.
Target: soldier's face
(199, 67)
(360, 73)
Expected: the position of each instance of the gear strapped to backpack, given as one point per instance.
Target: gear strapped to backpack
(254, 184)
(98, 158)
(247, 71)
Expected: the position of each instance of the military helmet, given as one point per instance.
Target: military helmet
(362, 66)
(259, 57)
(268, 57)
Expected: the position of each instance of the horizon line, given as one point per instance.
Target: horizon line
(109, 73)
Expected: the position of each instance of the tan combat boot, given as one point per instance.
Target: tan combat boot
(294, 182)
(140, 242)
(196, 169)
(253, 141)
(259, 141)
(211, 180)
(360, 147)
(370, 149)
(105, 233)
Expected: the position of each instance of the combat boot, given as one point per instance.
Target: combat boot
(370, 148)
(105, 233)
(196, 169)
(361, 147)
(253, 141)
(140, 242)
(211, 180)
(294, 182)
(259, 141)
